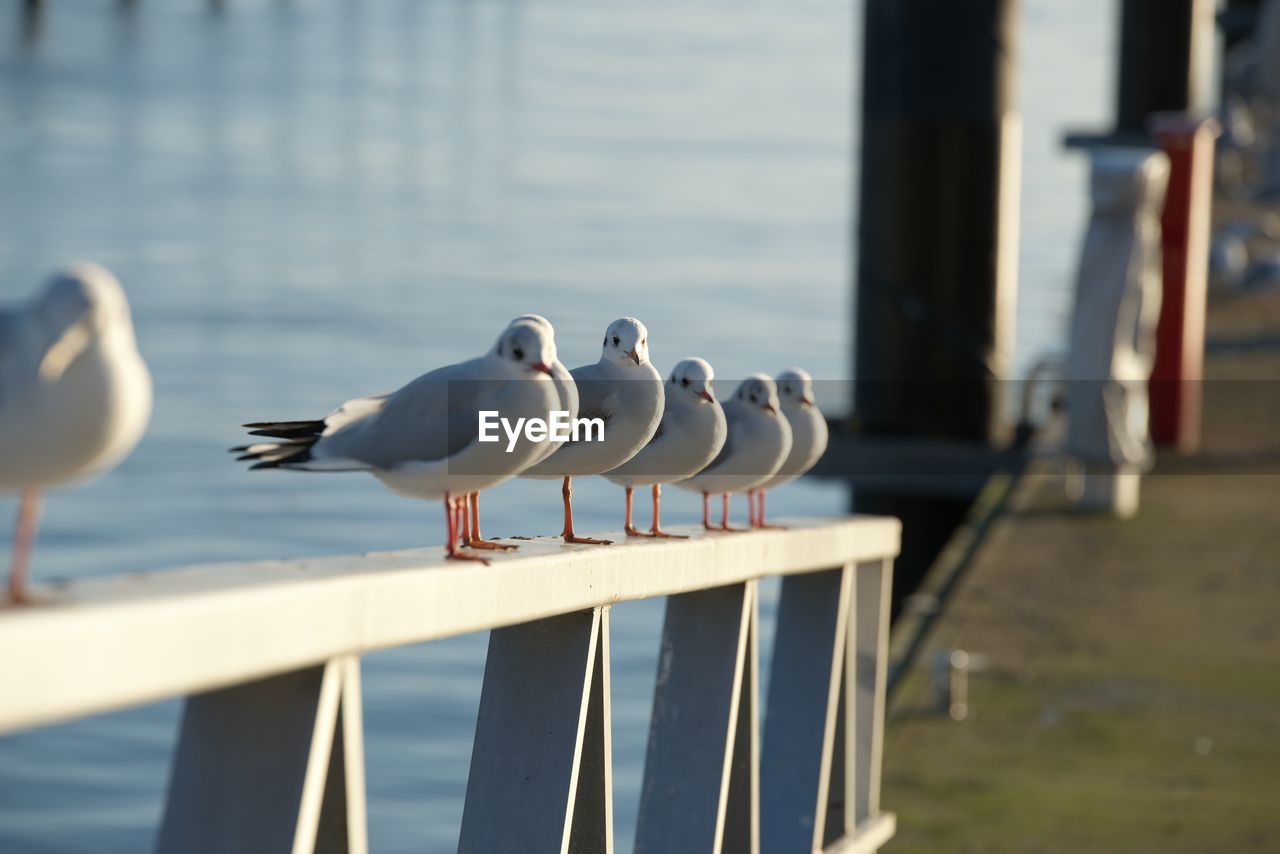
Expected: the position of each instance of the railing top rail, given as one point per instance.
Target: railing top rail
(101, 644)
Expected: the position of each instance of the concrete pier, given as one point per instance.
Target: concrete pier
(1129, 694)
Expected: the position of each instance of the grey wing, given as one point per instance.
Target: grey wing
(730, 416)
(597, 397)
(430, 419)
(566, 389)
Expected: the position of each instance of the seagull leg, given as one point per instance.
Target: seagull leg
(464, 521)
(569, 537)
(24, 537)
(656, 530)
(453, 514)
(474, 540)
(760, 522)
(632, 530)
(724, 514)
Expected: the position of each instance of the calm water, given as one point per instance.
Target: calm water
(311, 201)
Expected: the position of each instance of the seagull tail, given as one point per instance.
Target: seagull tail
(293, 450)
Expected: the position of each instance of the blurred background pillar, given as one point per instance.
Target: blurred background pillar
(1175, 391)
(936, 244)
(1166, 60)
(1113, 327)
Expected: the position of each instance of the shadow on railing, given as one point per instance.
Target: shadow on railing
(270, 755)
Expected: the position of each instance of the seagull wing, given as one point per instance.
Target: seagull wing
(597, 397)
(428, 420)
(732, 414)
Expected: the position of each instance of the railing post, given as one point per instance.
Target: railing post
(870, 676)
(700, 789)
(275, 765)
(800, 730)
(541, 766)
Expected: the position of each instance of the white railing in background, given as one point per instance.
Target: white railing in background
(270, 754)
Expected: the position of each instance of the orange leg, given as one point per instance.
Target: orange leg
(464, 521)
(454, 513)
(759, 521)
(631, 529)
(569, 537)
(24, 537)
(724, 515)
(472, 539)
(656, 530)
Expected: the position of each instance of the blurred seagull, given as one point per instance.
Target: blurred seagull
(423, 440)
(758, 442)
(691, 433)
(625, 392)
(808, 436)
(75, 395)
(567, 393)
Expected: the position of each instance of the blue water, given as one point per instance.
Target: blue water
(307, 202)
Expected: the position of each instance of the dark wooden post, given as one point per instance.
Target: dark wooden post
(1165, 56)
(937, 241)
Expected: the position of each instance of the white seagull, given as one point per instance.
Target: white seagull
(75, 395)
(758, 443)
(691, 433)
(808, 435)
(423, 440)
(625, 392)
(567, 393)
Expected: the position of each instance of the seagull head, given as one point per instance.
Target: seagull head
(759, 391)
(692, 377)
(79, 306)
(536, 319)
(529, 344)
(795, 387)
(626, 341)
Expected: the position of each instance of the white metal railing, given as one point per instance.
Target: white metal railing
(270, 754)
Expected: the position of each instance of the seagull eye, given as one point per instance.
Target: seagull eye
(685, 382)
(615, 340)
(518, 354)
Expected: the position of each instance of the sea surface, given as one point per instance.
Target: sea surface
(311, 201)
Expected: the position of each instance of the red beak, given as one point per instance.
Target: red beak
(635, 357)
(706, 395)
(806, 401)
(768, 407)
(542, 366)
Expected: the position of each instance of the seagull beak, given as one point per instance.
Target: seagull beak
(768, 407)
(635, 357)
(806, 401)
(542, 368)
(706, 395)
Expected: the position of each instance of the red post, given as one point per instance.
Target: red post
(1179, 361)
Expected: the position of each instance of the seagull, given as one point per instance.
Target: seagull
(625, 392)
(567, 393)
(75, 395)
(808, 435)
(691, 433)
(758, 442)
(423, 441)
